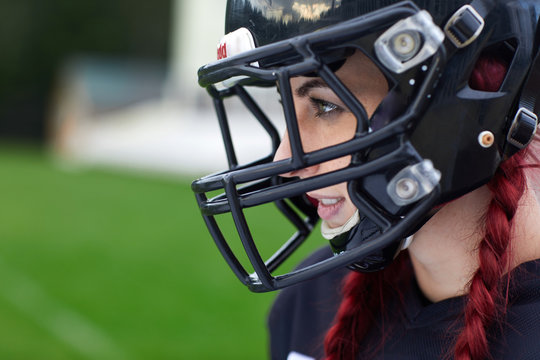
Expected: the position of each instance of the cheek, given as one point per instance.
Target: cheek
(341, 130)
(335, 164)
(349, 208)
(318, 133)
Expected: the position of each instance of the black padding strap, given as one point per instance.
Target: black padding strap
(523, 127)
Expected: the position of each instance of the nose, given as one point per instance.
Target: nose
(284, 149)
(284, 152)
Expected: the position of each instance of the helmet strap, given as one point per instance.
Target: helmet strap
(523, 127)
(329, 233)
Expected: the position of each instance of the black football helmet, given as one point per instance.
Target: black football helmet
(433, 137)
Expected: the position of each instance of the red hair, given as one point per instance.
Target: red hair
(364, 297)
(485, 303)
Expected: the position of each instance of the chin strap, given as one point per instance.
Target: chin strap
(329, 233)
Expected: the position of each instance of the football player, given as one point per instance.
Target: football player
(410, 133)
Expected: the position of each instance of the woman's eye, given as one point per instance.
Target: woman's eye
(323, 107)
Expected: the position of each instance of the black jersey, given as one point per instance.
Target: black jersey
(302, 314)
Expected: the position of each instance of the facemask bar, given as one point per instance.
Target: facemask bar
(253, 108)
(237, 199)
(262, 280)
(300, 158)
(268, 189)
(303, 226)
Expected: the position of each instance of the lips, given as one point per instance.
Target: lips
(327, 207)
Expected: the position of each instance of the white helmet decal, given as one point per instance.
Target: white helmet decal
(235, 43)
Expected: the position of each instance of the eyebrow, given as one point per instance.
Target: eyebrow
(311, 84)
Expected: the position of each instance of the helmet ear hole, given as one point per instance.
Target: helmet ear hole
(490, 69)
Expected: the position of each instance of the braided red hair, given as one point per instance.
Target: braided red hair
(485, 302)
(364, 296)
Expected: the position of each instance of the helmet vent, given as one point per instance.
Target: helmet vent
(491, 67)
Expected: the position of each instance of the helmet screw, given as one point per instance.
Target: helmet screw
(405, 45)
(406, 188)
(486, 139)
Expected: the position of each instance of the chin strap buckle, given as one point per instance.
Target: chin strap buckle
(464, 26)
(523, 128)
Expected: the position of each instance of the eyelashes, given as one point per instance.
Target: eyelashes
(324, 108)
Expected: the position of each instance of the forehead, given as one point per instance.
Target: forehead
(358, 62)
(358, 73)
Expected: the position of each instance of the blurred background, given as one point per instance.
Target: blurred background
(103, 252)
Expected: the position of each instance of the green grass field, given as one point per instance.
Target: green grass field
(101, 264)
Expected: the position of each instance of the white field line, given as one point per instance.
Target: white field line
(66, 325)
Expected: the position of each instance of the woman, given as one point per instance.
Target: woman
(407, 131)
(465, 248)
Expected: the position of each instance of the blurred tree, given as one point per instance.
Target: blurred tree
(35, 37)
